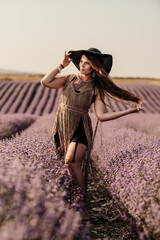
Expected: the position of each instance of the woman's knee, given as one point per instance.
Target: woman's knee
(68, 159)
(74, 153)
(70, 164)
(73, 166)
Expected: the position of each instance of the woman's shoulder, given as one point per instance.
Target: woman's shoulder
(97, 95)
(70, 77)
(68, 80)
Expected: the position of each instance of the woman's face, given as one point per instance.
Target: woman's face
(84, 65)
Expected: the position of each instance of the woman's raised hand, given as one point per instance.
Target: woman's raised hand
(66, 61)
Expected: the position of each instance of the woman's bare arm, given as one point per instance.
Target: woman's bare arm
(102, 115)
(51, 81)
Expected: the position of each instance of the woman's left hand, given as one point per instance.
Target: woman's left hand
(137, 107)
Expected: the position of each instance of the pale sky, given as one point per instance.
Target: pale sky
(35, 34)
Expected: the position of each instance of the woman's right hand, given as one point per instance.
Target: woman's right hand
(66, 61)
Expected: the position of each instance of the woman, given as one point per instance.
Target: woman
(72, 129)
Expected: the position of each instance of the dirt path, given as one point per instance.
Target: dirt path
(106, 222)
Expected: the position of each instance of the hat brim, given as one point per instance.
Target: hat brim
(106, 59)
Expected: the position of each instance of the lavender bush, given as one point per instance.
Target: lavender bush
(35, 201)
(129, 162)
(10, 124)
(147, 123)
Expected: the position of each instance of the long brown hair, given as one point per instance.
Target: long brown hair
(105, 85)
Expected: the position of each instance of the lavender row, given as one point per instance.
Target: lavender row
(140, 122)
(129, 161)
(10, 124)
(35, 200)
(27, 99)
(33, 98)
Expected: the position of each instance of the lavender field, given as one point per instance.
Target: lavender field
(37, 200)
(31, 97)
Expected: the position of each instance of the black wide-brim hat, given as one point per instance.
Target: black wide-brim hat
(105, 59)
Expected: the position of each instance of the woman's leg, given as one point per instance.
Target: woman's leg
(73, 159)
